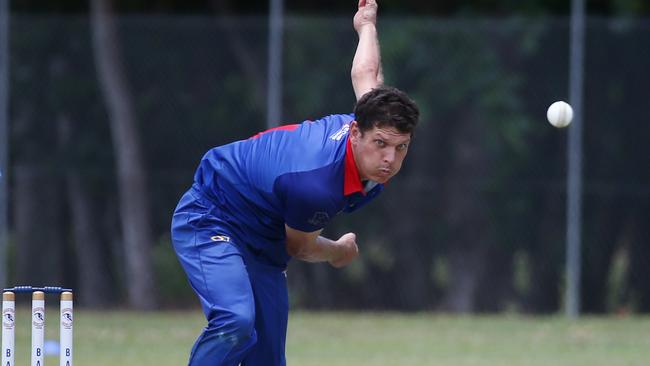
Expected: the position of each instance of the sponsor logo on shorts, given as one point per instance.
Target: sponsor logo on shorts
(220, 238)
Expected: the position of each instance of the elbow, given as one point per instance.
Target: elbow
(298, 247)
(365, 71)
(294, 248)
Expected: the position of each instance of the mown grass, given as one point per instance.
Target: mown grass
(363, 339)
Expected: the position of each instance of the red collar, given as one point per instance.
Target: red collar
(351, 180)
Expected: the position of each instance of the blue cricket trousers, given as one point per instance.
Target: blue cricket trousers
(244, 301)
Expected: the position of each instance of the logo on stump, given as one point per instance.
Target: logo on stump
(8, 317)
(38, 318)
(66, 318)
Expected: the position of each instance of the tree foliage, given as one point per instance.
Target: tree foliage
(474, 222)
(434, 8)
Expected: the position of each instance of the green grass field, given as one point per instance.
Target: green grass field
(363, 339)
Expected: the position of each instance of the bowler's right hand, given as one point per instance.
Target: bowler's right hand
(366, 15)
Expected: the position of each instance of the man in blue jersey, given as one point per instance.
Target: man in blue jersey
(256, 203)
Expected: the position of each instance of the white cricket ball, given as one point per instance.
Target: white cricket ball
(560, 114)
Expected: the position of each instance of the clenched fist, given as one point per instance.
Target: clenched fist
(347, 250)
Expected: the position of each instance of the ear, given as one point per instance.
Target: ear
(355, 132)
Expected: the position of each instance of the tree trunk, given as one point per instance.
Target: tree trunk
(465, 213)
(547, 256)
(465, 268)
(495, 291)
(93, 276)
(321, 279)
(134, 214)
(412, 286)
(605, 218)
(38, 228)
(247, 59)
(639, 280)
(94, 280)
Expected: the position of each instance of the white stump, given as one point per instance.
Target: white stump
(8, 328)
(65, 336)
(38, 327)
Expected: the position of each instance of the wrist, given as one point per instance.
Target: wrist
(327, 249)
(333, 250)
(366, 27)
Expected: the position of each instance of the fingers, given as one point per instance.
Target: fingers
(363, 3)
(347, 254)
(352, 240)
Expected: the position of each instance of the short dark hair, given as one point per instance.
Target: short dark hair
(386, 106)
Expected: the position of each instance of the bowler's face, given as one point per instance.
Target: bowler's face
(379, 152)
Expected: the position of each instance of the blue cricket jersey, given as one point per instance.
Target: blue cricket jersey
(302, 175)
